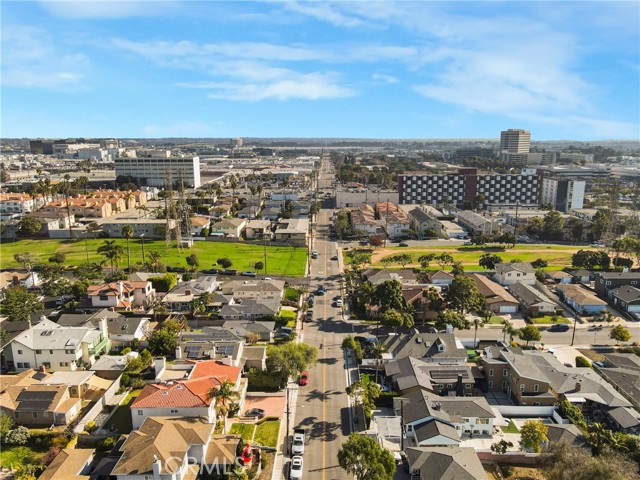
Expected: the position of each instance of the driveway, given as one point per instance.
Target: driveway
(272, 403)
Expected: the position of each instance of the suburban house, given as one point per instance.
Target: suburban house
(363, 219)
(254, 289)
(530, 377)
(121, 295)
(19, 203)
(56, 347)
(221, 344)
(70, 463)
(423, 218)
(28, 280)
(293, 231)
(250, 309)
(444, 463)
(558, 276)
(582, 276)
(188, 397)
(476, 224)
(580, 299)
(605, 281)
(496, 297)
(532, 300)
(410, 374)
(622, 370)
(258, 230)
(181, 297)
(394, 220)
(39, 405)
(432, 420)
(405, 276)
(198, 223)
(229, 227)
(429, 347)
(625, 298)
(162, 448)
(440, 278)
(511, 273)
(415, 296)
(127, 331)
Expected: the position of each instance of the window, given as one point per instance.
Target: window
(491, 372)
(410, 428)
(104, 298)
(20, 352)
(449, 385)
(34, 414)
(536, 388)
(468, 385)
(20, 365)
(536, 404)
(69, 352)
(505, 373)
(38, 352)
(51, 352)
(174, 411)
(482, 421)
(139, 412)
(46, 364)
(490, 384)
(504, 384)
(522, 387)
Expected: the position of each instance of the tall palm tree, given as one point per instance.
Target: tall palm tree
(112, 252)
(222, 397)
(154, 260)
(377, 351)
(507, 329)
(233, 183)
(127, 233)
(95, 228)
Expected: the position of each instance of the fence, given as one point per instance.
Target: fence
(95, 410)
(509, 458)
(524, 410)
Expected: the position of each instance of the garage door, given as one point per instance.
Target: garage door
(634, 308)
(508, 309)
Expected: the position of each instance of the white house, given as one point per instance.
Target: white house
(123, 331)
(229, 226)
(510, 273)
(185, 398)
(121, 294)
(56, 347)
(180, 298)
(254, 289)
(432, 420)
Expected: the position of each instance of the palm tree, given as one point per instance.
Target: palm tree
(142, 208)
(377, 351)
(507, 329)
(154, 260)
(233, 183)
(222, 396)
(112, 252)
(127, 233)
(600, 438)
(485, 317)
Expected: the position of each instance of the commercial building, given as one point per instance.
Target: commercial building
(515, 141)
(456, 188)
(152, 171)
(565, 195)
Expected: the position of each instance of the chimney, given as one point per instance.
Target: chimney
(104, 327)
(43, 369)
(178, 352)
(578, 386)
(119, 287)
(157, 467)
(15, 280)
(187, 292)
(159, 365)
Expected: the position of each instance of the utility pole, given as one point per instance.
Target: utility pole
(286, 438)
(142, 238)
(575, 321)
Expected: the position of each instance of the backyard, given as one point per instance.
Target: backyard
(289, 261)
(14, 455)
(264, 433)
(120, 421)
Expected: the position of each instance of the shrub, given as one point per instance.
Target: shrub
(17, 436)
(137, 383)
(90, 427)
(124, 351)
(165, 282)
(50, 455)
(582, 361)
(107, 444)
(125, 380)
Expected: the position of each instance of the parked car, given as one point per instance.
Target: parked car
(567, 364)
(295, 470)
(229, 271)
(300, 438)
(599, 364)
(211, 271)
(309, 314)
(248, 274)
(304, 379)
(314, 254)
(310, 302)
(255, 412)
(403, 244)
(559, 327)
(320, 290)
(335, 257)
(63, 300)
(339, 303)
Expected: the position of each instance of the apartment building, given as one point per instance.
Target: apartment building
(152, 171)
(515, 140)
(565, 195)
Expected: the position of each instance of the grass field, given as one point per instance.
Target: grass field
(121, 418)
(267, 433)
(288, 261)
(557, 256)
(245, 430)
(511, 428)
(14, 455)
(546, 320)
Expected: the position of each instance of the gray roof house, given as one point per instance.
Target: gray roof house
(510, 273)
(429, 347)
(625, 298)
(250, 310)
(444, 463)
(532, 300)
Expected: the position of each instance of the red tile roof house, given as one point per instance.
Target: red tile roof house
(121, 295)
(188, 397)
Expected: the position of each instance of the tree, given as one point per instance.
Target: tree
(27, 259)
(453, 318)
(112, 252)
(539, 263)
(224, 262)
(127, 233)
(389, 296)
(443, 259)
(193, 262)
(376, 241)
(620, 334)
(154, 260)
(163, 342)
(457, 269)
(590, 259)
(223, 395)
(568, 462)
(529, 334)
(463, 295)
(582, 362)
(363, 458)
(17, 436)
(402, 258)
(501, 447)
(533, 435)
(6, 424)
(30, 225)
(289, 359)
(58, 258)
(19, 303)
(94, 228)
(484, 318)
(507, 329)
(258, 266)
(553, 225)
(425, 260)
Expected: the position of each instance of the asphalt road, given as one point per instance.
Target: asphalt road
(322, 405)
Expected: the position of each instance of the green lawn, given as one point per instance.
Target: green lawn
(280, 260)
(557, 256)
(546, 320)
(365, 378)
(19, 455)
(511, 428)
(496, 320)
(289, 314)
(121, 418)
(245, 430)
(267, 433)
(292, 294)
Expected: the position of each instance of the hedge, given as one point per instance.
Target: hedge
(165, 282)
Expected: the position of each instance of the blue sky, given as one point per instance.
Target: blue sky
(563, 70)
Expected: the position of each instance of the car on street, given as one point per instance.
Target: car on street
(295, 470)
(335, 257)
(314, 254)
(320, 291)
(229, 271)
(559, 327)
(304, 379)
(248, 274)
(255, 412)
(403, 244)
(339, 303)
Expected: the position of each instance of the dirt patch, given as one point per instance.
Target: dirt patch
(592, 355)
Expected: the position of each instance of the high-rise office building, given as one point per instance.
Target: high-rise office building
(152, 171)
(515, 141)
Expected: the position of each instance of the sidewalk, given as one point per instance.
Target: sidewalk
(281, 451)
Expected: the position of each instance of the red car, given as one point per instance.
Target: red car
(304, 379)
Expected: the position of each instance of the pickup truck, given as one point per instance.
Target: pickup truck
(299, 441)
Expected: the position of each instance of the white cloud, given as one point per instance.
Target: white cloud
(99, 9)
(324, 11)
(32, 59)
(382, 78)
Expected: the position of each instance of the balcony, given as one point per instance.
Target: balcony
(99, 347)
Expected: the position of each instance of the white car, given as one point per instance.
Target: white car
(295, 469)
(338, 303)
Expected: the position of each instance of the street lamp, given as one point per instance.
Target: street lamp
(142, 238)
